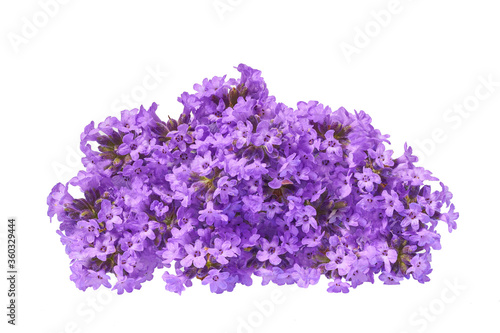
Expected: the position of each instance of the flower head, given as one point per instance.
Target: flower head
(240, 186)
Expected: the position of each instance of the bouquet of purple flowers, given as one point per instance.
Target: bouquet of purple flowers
(241, 185)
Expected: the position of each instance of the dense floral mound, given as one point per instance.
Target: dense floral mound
(242, 185)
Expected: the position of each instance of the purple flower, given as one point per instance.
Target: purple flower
(172, 252)
(132, 146)
(305, 276)
(128, 121)
(368, 202)
(445, 195)
(418, 175)
(252, 203)
(270, 251)
(159, 208)
(135, 170)
(332, 145)
(124, 284)
(414, 216)
(338, 286)
(90, 229)
(217, 280)
(222, 250)
(110, 215)
(272, 208)
(102, 249)
(392, 203)
(425, 238)
(96, 279)
(340, 260)
(146, 227)
(353, 220)
(174, 283)
(266, 137)
(309, 142)
(387, 255)
(289, 165)
(359, 273)
(131, 243)
(203, 165)
(125, 262)
(314, 239)
(219, 142)
(420, 267)
(182, 193)
(180, 138)
(302, 174)
(58, 199)
(225, 189)
(380, 156)
(450, 218)
(305, 218)
(345, 185)
(390, 278)
(289, 242)
(195, 255)
(210, 215)
(367, 179)
(430, 202)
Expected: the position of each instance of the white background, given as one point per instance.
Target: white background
(80, 63)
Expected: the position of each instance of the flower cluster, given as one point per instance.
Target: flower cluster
(242, 186)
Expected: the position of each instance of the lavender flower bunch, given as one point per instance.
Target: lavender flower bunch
(242, 186)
